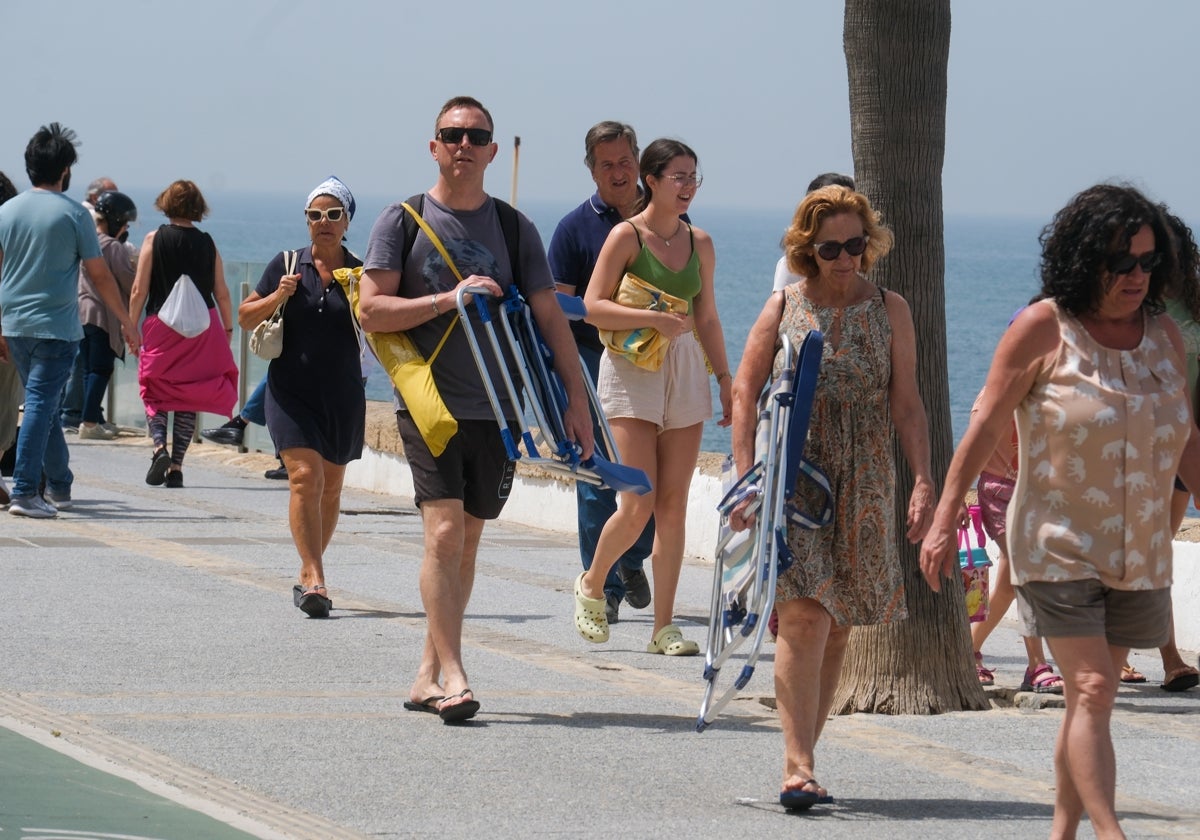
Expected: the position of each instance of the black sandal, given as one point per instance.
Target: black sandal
(312, 600)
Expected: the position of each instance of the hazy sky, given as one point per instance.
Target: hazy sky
(1046, 98)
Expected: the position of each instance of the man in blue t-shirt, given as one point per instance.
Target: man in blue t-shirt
(611, 155)
(44, 236)
(410, 287)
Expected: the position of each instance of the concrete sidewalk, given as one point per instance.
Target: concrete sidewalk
(154, 631)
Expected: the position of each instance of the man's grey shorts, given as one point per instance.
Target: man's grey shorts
(1138, 619)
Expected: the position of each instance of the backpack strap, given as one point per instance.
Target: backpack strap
(510, 226)
(409, 226)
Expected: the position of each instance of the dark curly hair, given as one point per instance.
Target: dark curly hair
(1094, 226)
(1186, 288)
(7, 189)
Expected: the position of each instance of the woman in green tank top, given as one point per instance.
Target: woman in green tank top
(657, 416)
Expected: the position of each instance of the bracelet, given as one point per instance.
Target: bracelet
(433, 302)
(724, 375)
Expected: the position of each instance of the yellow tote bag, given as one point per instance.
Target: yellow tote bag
(646, 347)
(400, 358)
(409, 372)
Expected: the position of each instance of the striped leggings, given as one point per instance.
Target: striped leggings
(181, 433)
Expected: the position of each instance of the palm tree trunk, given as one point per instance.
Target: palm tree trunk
(896, 55)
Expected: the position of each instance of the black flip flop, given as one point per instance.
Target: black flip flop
(1182, 681)
(311, 602)
(429, 704)
(458, 712)
(798, 799)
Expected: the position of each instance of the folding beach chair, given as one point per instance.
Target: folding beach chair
(748, 563)
(546, 398)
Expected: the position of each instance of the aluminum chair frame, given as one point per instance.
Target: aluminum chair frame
(544, 391)
(748, 563)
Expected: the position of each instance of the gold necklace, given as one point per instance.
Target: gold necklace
(666, 240)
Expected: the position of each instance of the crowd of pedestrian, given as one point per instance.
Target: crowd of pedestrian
(1094, 372)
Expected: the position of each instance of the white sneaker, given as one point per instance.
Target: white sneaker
(112, 427)
(96, 432)
(58, 502)
(32, 506)
(3, 492)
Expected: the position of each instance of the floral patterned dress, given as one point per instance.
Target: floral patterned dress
(852, 565)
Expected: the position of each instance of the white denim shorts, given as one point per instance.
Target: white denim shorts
(675, 396)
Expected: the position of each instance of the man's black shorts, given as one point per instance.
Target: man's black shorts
(474, 468)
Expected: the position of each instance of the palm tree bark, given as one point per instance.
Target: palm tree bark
(897, 55)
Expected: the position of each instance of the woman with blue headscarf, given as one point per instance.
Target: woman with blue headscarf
(315, 404)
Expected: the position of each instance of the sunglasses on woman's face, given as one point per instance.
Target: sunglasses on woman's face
(453, 135)
(831, 250)
(333, 214)
(1125, 263)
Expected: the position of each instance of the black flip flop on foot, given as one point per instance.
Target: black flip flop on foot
(799, 799)
(458, 712)
(311, 601)
(429, 704)
(1182, 681)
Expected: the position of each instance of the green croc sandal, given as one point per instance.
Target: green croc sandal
(670, 641)
(590, 618)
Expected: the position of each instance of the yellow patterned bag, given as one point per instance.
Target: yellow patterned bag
(646, 347)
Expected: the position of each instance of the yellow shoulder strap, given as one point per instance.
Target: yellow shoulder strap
(433, 237)
(437, 243)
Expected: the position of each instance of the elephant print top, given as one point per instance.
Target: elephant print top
(1101, 434)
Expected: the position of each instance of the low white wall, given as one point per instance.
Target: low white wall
(549, 504)
(1185, 595)
(546, 503)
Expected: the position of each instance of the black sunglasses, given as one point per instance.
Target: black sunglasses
(1125, 263)
(452, 135)
(832, 250)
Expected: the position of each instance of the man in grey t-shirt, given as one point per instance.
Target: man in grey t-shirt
(467, 484)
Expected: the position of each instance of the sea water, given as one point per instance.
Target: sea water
(991, 270)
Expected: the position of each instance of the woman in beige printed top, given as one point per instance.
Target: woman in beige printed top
(1094, 373)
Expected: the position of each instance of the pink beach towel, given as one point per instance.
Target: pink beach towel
(187, 374)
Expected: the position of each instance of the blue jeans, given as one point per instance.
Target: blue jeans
(71, 412)
(96, 356)
(255, 409)
(595, 505)
(44, 365)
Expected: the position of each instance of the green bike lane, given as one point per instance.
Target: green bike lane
(50, 793)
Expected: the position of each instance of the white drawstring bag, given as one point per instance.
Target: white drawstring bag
(184, 310)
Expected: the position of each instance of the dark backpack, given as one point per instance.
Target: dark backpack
(509, 225)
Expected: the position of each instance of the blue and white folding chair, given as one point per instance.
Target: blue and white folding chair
(748, 563)
(546, 397)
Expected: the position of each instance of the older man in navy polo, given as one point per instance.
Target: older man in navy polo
(612, 157)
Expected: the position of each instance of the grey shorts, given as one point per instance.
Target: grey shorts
(1138, 619)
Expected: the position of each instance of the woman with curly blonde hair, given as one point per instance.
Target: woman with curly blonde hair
(847, 573)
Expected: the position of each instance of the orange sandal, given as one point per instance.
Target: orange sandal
(1129, 674)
